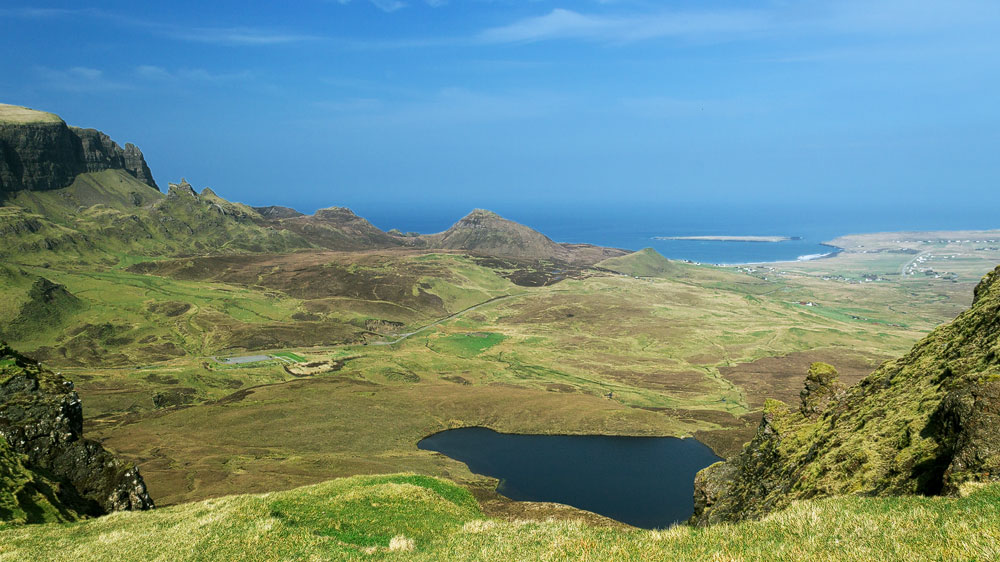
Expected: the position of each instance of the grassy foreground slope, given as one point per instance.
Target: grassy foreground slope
(411, 517)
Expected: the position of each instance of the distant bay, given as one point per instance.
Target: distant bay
(634, 226)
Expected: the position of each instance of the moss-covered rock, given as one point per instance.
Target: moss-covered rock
(41, 418)
(27, 496)
(923, 424)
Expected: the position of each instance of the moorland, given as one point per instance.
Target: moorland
(366, 341)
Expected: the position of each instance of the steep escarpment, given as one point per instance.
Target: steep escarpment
(924, 424)
(38, 152)
(41, 422)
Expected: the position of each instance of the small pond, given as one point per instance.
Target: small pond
(643, 481)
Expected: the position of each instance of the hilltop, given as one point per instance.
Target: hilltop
(486, 232)
(644, 263)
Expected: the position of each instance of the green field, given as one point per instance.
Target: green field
(289, 356)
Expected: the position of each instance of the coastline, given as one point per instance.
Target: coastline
(837, 250)
(758, 239)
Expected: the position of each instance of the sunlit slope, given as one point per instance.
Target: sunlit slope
(644, 263)
(113, 316)
(924, 423)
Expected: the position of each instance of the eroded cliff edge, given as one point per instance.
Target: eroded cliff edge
(925, 423)
(41, 420)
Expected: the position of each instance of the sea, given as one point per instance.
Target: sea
(638, 226)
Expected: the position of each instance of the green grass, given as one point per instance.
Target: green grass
(467, 344)
(411, 517)
(18, 115)
(290, 356)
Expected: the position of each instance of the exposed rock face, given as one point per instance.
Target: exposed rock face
(277, 212)
(42, 153)
(923, 424)
(182, 189)
(821, 387)
(102, 153)
(41, 417)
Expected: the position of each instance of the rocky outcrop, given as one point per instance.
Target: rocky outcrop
(38, 151)
(923, 424)
(41, 418)
(821, 387)
(99, 153)
(277, 212)
(487, 233)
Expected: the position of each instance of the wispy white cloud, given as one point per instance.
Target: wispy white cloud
(390, 6)
(857, 17)
(384, 5)
(449, 106)
(232, 35)
(665, 107)
(79, 79)
(567, 24)
(221, 35)
(160, 74)
(39, 13)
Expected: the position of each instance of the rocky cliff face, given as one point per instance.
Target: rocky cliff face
(99, 153)
(41, 418)
(39, 152)
(923, 424)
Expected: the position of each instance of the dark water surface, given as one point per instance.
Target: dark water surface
(643, 481)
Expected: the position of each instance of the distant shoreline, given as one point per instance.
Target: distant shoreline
(837, 250)
(730, 238)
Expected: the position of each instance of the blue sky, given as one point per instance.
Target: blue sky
(465, 103)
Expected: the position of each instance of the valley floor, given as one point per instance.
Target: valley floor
(646, 348)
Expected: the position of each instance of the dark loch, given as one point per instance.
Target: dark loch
(643, 481)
